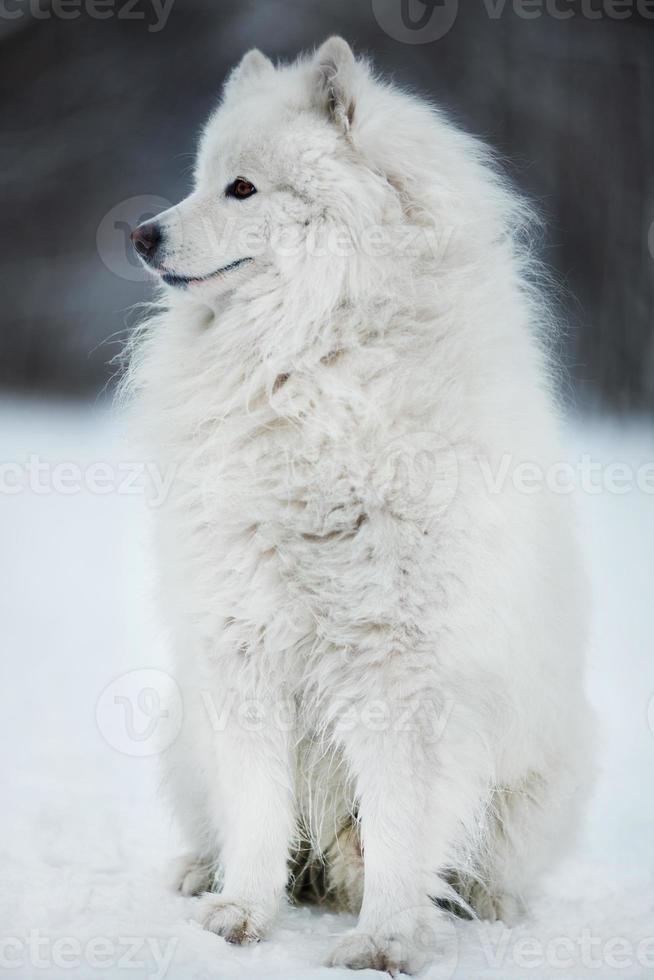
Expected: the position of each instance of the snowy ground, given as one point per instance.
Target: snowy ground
(84, 837)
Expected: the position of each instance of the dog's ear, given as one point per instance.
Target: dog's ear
(253, 64)
(335, 70)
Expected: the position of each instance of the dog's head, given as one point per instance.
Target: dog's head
(281, 185)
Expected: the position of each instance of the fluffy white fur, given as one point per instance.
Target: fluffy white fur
(380, 654)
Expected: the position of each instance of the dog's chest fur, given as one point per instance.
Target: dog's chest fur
(289, 491)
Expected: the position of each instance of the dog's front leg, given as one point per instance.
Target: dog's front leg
(257, 820)
(393, 771)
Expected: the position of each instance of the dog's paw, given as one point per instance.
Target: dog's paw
(388, 953)
(193, 876)
(237, 922)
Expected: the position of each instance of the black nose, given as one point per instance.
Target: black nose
(146, 239)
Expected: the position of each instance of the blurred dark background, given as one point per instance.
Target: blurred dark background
(101, 102)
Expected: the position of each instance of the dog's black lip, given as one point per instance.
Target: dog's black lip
(175, 279)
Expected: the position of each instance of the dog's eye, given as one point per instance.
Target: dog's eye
(241, 188)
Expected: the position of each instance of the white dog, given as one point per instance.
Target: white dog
(377, 618)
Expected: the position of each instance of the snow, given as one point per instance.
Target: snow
(85, 838)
